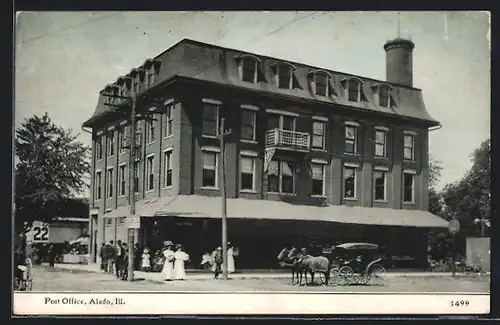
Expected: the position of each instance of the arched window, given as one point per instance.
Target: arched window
(354, 90)
(249, 68)
(284, 75)
(321, 83)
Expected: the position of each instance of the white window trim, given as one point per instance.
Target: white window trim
(218, 104)
(410, 132)
(119, 139)
(111, 128)
(125, 178)
(357, 126)
(99, 133)
(97, 171)
(217, 154)
(249, 107)
(211, 101)
(355, 167)
(323, 164)
(280, 181)
(109, 144)
(320, 118)
(327, 84)
(109, 182)
(253, 156)
(413, 135)
(277, 77)
(165, 116)
(124, 122)
(281, 112)
(325, 124)
(380, 129)
(168, 101)
(152, 171)
(359, 82)
(389, 100)
(210, 149)
(137, 163)
(384, 170)
(148, 131)
(98, 145)
(171, 150)
(254, 126)
(413, 173)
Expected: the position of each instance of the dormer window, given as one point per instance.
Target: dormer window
(354, 90)
(384, 96)
(249, 67)
(284, 75)
(151, 75)
(321, 84)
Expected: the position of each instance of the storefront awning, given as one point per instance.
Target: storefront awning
(197, 206)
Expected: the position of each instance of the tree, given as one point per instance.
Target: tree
(52, 168)
(470, 198)
(435, 168)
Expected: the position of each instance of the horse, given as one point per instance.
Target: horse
(314, 264)
(289, 258)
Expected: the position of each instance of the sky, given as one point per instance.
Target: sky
(63, 59)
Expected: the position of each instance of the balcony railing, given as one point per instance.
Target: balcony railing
(287, 139)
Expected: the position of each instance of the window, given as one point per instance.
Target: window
(318, 135)
(167, 168)
(318, 176)
(379, 184)
(150, 160)
(111, 143)
(168, 121)
(354, 90)
(136, 85)
(248, 125)
(122, 180)
(138, 134)
(210, 119)
(280, 177)
(136, 177)
(351, 134)
(122, 138)
(121, 90)
(285, 80)
(247, 171)
(109, 221)
(110, 182)
(349, 182)
(380, 143)
(283, 122)
(150, 131)
(98, 148)
(408, 187)
(249, 69)
(151, 75)
(209, 169)
(384, 96)
(321, 84)
(98, 184)
(409, 144)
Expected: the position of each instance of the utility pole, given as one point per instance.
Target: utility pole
(223, 133)
(131, 189)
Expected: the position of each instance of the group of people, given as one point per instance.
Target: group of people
(174, 262)
(114, 258)
(214, 261)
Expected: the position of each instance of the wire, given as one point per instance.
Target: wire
(88, 21)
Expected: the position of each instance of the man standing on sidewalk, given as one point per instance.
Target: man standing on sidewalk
(119, 259)
(110, 256)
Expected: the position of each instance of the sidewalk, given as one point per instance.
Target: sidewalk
(248, 274)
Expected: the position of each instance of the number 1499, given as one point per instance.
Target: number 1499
(459, 303)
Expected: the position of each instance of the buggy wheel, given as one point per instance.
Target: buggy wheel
(345, 274)
(362, 278)
(377, 274)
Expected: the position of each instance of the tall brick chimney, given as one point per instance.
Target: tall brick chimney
(399, 61)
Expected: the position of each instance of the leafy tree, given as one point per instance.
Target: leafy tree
(52, 168)
(435, 204)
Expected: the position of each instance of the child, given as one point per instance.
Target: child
(146, 263)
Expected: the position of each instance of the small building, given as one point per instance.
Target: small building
(313, 156)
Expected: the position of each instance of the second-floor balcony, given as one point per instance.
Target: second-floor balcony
(285, 139)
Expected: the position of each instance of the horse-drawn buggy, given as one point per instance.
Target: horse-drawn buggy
(345, 264)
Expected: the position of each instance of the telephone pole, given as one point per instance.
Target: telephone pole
(223, 133)
(131, 189)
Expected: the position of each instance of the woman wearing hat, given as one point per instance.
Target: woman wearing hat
(180, 258)
(167, 273)
(230, 258)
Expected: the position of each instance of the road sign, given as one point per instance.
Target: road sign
(454, 226)
(133, 222)
(39, 232)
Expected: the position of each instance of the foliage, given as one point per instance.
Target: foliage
(52, 167)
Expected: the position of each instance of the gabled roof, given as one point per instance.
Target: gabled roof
(215, 64)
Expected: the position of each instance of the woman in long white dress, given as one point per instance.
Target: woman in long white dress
(230, 258)
(180, 258)
(167, 273)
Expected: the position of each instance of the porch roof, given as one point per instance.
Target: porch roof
(198, 206)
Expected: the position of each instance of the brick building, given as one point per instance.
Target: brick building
(313, 155)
